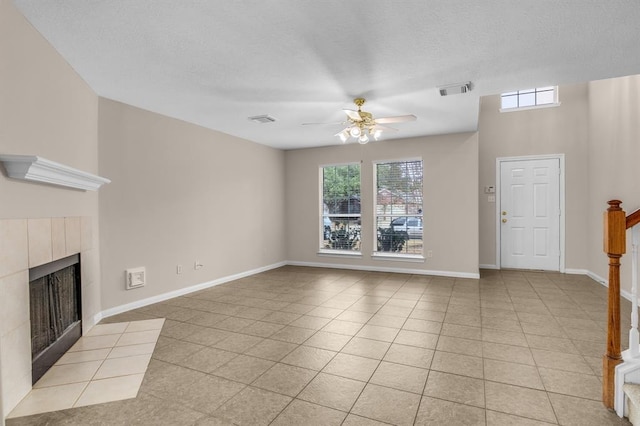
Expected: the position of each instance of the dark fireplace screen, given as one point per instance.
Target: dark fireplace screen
(55, 312)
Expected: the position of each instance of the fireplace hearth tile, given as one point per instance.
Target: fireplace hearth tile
(48, 399)
(95, 342)
(111, 389)
(137, 337)
(132, 350)
(97, 369)
(84, 356)
(68, 373)
(115, 367)
(105, 329)
(145, 325)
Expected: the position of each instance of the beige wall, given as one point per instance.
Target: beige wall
(45, 110)
(181, 193)
(614, 161)
(450, 201)
(557, 130)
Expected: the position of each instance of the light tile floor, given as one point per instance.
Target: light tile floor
(306, 346)
(106, 364)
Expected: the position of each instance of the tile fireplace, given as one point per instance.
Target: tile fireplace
(28, 244)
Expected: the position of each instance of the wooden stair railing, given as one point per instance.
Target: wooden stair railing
(633, 219)
(615, 227)
(614, 246)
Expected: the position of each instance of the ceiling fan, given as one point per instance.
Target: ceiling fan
(361, 125)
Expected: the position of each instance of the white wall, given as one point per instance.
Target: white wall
(450, 201)
(557, 130)
(614, 162)
(181, 193)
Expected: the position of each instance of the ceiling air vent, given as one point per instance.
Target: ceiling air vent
(262, 119)
(455, 89)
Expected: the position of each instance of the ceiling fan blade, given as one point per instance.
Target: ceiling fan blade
(383, 128)
(354, 115)
(396, 119)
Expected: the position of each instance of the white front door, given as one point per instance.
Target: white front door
(530, 214)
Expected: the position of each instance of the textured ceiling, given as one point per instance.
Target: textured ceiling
(215, 63)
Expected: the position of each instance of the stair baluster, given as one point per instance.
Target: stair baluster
(634, 341)
(615, 247)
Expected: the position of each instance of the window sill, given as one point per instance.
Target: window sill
(339, 253)
(530, 107)
(418, 258)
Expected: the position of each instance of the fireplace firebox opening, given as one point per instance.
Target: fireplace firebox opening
(56, 312)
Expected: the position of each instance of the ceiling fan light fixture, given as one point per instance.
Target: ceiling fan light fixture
(362, 126)
(343, 135)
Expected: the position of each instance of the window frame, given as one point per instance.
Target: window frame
(328, 251)
(535, 91)
(382, 255)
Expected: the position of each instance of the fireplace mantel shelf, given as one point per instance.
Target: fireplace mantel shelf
(38, 169)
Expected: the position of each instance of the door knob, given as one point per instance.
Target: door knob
(504, 220)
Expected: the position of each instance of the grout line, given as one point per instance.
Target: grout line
(397, 290)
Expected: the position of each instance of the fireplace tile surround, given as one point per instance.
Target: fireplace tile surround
(26, 243)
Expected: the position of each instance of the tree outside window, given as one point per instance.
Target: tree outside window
(340, 227)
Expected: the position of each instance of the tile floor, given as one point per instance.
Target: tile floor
(107, 364)
(306, 346)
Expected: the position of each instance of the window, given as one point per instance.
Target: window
(530, 98)
(340, 227)
(398, 207)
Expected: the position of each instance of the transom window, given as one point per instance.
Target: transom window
(398, 207)
(529, 98)
(340, 226)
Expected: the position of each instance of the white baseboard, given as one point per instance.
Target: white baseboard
(97, 318)
(387, 269)
(485, 266)
(597, 278)
(181, 292)
(576, 271)
(605, 283)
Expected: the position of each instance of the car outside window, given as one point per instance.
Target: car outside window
(398, 208)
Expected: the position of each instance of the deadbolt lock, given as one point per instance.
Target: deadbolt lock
(504, 213)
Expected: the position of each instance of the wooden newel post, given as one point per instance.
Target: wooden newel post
(614, 247)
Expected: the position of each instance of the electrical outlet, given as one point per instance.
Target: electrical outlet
(178, 269)
(429, 253)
